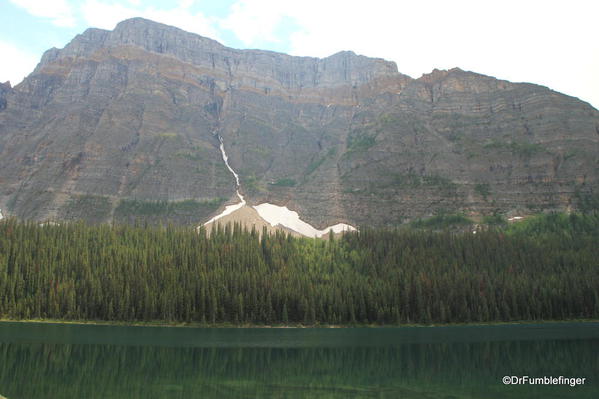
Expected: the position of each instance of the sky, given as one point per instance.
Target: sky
(551, 43)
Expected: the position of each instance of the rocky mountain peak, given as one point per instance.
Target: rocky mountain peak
(83, 45)
(437, 75)
(160, 38)
(259, 68)
(455, 79)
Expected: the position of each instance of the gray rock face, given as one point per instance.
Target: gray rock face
(131, 115)
(238, 67)
(5, 89)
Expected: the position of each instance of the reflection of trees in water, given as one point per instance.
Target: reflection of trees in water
(104, 371)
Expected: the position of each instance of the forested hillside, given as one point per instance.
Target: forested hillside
(543, 268)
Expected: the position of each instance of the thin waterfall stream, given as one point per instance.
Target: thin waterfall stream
(275, 215)
(229, 208)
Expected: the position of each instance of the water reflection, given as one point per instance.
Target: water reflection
(407, 370)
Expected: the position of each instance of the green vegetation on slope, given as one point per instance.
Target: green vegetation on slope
(545, 268)
(442, 221)
(360, 142)
(556, 225)
(163, 212)
(284, 183)
(483, 189)
(93, 208)
(517, 148)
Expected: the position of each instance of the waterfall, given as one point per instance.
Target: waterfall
(229, 208)
(273, 214)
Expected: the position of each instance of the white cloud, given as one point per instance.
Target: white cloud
(182, 18)
(59, 12)
(16, 63)
(186, 3)
(255, 20)
(106, 15)
(553, 43)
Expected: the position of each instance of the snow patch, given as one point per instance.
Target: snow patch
(281, 215)
(274, 214)
(1, 217)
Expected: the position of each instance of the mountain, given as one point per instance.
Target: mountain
(125, 124)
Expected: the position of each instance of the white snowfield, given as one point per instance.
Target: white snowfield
(274, 214)
(1, 217)
(281, 215)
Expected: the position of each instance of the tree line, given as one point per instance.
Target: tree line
(546, 268)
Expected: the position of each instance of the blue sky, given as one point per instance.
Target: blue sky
(552, 43)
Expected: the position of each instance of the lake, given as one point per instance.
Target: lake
(39, 360)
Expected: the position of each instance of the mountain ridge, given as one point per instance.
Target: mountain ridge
(133, 114)
(198, 50)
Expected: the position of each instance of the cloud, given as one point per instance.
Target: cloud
(106, 15)
(255, 21)
(547, 42)
(186, 3)
(17, 63)
(59, 12)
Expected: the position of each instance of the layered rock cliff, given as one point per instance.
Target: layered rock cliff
(118, 120)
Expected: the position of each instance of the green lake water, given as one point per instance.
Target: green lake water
(39, 361)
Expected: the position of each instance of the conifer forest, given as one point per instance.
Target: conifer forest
(543, 268)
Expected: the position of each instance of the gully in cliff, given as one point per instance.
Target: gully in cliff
(273, 214)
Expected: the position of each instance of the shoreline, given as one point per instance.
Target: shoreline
(281, 326)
